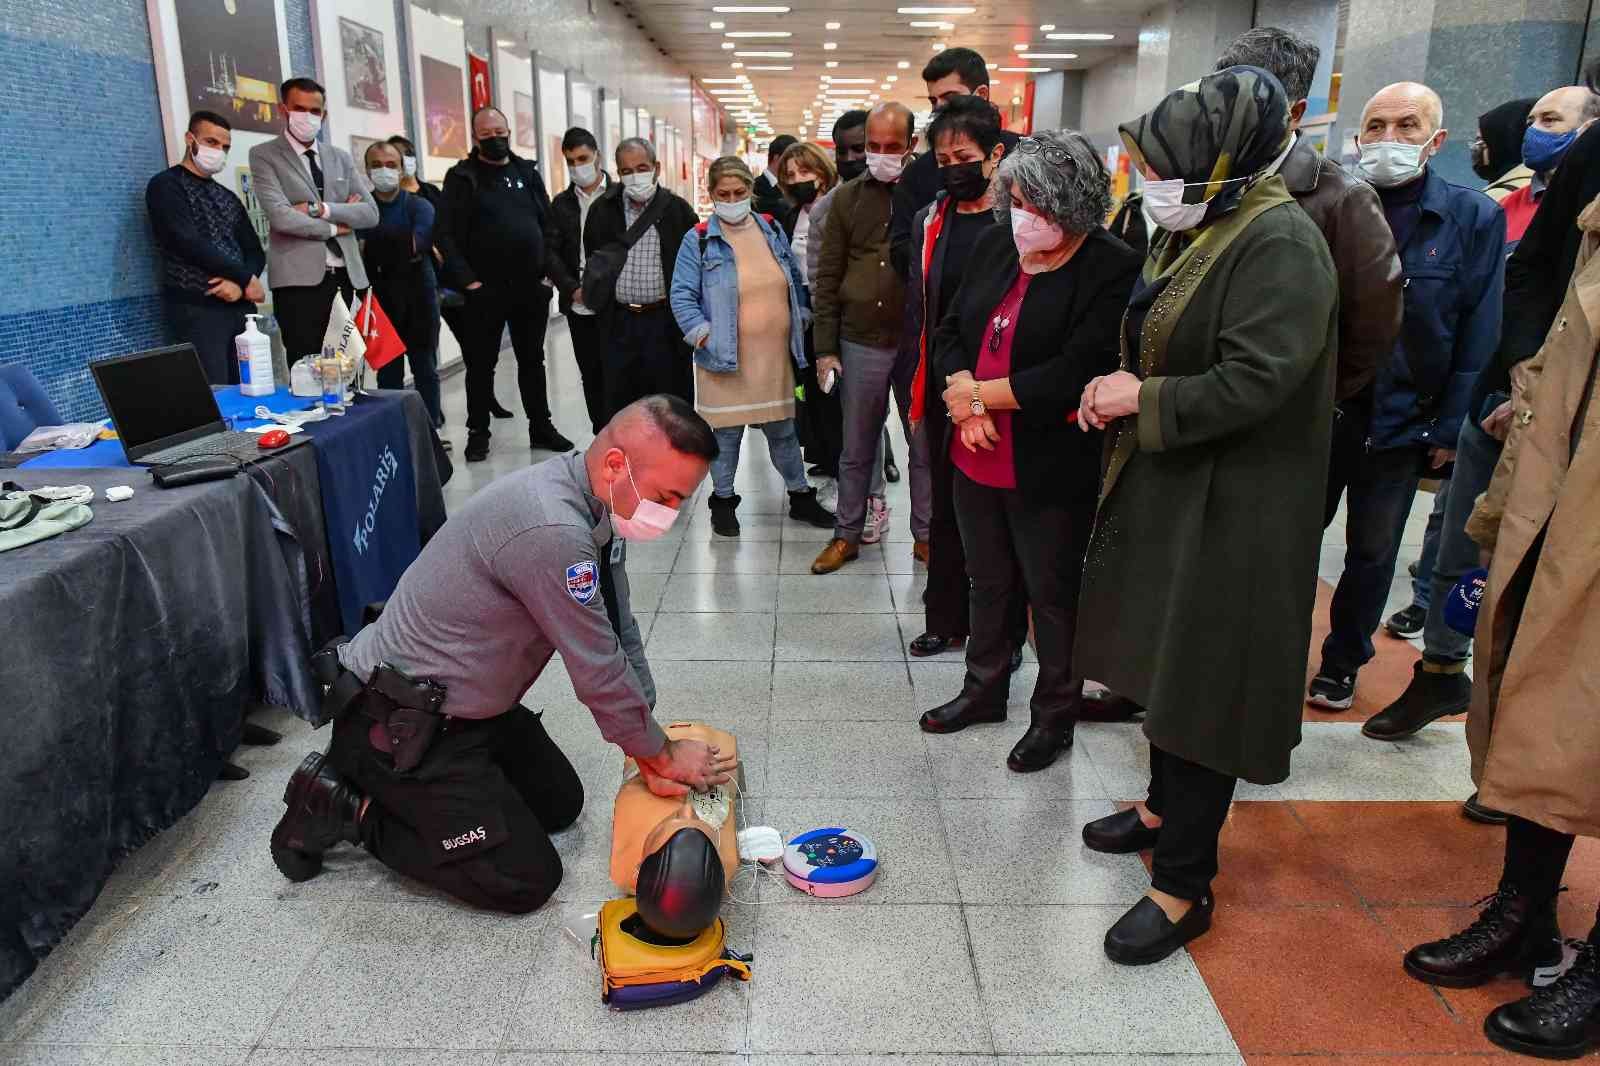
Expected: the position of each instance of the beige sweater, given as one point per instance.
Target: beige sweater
(762, 388)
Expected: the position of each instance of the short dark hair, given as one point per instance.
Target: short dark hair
(848, 121)
(1286, 56)
(208, 116)
(962, 62)
(305, 85)
(969, 115)
(578, 137)
(403, 143)
(681, 424)
(366, 157)
(780, 144)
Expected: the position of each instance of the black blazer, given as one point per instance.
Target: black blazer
(608, 225)
(1067, 334)
(563, 237)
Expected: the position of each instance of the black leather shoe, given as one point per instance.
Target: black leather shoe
(1110, 708)
(498, 411)
(961, 712)
(1514, 934)
(1049, 734)
(548, 438)
(477, 448)
(1145, 935)
(803, 507)
(932, 644)
(724, 515)
(1561, 1021)
(1475, 811)
(1122, 833)
(323, 811)
(1429, 697)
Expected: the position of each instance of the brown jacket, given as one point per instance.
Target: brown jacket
(1350, 217)
(1533, 727)
(856, 293)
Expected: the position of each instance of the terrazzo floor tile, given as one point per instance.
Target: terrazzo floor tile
(111, 1055)
(753, 527)
(909, 836)
(727, 556)
(848, 760)
(822, 692)
(807, 593)
(1032, 852)
(1335, 762)
(711, 636)
(917, 952)
(838, 638)
(971, 764)
(653, 557)
(822, 1058)
(732, 695)
(720, 593)
(268, 1056)
(602, 1058)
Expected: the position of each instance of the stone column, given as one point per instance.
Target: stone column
(1318, 22)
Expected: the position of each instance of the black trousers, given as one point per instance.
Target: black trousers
(1352, 420)
(644, 354)
(1020, 552)
(302, 312)
(821, 418)
(490, 310)
(412, 304)
(1192, 802)
(473, 818)
(211, 327)
(946, 600)
(588, 349)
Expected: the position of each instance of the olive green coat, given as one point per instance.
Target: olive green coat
(1202, 566)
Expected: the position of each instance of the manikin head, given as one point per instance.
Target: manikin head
(681, 882)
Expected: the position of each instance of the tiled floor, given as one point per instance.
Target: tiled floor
(980, 943)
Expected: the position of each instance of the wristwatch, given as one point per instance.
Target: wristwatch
(317, 209)
(978, 406)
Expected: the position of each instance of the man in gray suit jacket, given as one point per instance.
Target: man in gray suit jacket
(314, 197)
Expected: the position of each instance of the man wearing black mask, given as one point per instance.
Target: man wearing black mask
(497, 211)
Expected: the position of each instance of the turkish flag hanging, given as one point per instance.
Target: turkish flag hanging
(478, 68)
(383, 341)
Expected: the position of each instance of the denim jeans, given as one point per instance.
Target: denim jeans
(1477, 453)
(783, 446)
(1379, 496)
(1422, 584)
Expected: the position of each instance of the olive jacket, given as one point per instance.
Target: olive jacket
(1201, 571)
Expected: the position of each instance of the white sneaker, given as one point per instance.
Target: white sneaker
(877, 520)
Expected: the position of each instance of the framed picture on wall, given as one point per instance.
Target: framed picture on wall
(366, 82)
(231, 60)
(358, 149)
(443, 109)
(526, 132)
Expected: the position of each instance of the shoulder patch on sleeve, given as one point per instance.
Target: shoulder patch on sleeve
(583, 581)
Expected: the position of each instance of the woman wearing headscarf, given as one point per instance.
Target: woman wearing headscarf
(1202, 565)
(1497, 149)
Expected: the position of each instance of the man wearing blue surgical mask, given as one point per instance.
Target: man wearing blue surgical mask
(1451, 242)
(1553, 125)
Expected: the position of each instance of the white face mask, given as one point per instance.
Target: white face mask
(733, 213)
(1390, 163)
(209, 159)
(640, 187)
(384, 179)
(410, 163)
(650, 519)
(584, 174)
(885, 168)
(1163, 201)
(304, 126)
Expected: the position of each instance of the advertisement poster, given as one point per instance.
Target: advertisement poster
(441, 102)
(479, 67)
(366, 85)
(230, 60)
(526, 132)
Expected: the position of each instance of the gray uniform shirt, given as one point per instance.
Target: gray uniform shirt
(509, 581)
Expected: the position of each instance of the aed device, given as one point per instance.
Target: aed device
(831, 862)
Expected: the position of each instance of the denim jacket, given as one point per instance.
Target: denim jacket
(705, 296)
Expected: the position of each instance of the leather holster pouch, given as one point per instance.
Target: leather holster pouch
(409, 711)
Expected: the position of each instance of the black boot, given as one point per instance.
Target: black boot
(1429, 697)
(477, 447)
(966, 709)
(1145, 934)
(724, 523)
(1514, 934)
(546, 437)
(1049, 734)
(1561, 1021)
(803, 507)
(323, 811)
(498, 411)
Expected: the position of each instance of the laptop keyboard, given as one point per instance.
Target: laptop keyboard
(236, 443)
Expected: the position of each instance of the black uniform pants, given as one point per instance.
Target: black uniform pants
(1020, 552)
(1192, 802)
(821, 417)
(644, 354)
(302, 312)
(490, 309)
(474, 817)
(588, 349)
(211, 327)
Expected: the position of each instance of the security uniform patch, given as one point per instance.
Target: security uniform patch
(583, 581)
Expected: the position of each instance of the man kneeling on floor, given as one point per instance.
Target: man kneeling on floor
(428, 769)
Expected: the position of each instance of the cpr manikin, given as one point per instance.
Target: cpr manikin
(676, 854)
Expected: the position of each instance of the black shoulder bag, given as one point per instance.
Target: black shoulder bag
(603, 266)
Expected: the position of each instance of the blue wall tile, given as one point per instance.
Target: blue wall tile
(297, 26)
(58, 343)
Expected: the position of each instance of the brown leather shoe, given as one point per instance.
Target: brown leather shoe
(919, 552)
(838, 552)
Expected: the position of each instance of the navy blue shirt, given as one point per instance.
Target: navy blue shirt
(203, 232)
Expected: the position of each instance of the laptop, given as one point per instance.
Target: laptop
(164, 410)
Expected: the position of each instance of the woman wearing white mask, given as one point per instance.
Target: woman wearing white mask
(1202, 567)
(1034, 319)
(740, 299)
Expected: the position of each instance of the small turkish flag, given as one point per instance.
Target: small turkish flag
(383, 342)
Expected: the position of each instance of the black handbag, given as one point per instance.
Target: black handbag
(603, 266)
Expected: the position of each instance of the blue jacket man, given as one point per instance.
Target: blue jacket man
(1452, 251)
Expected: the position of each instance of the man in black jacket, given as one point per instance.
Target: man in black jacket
(767, 197)
(953, 72)
(645, 351)
(571, 211)
(498, 212)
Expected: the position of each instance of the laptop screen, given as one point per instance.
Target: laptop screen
(156, 394)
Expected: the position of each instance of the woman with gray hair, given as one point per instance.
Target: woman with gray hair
(1035, 320)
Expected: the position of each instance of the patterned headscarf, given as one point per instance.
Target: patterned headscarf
(1227, 126)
